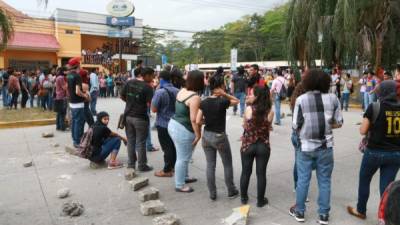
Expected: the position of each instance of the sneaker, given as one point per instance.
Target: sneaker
(145, 168)
(213, 197)
(297, 215)
(163, 174)
(234, 194)
(115, 165)
(324, 219)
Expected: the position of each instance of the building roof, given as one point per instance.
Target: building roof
(33, 41)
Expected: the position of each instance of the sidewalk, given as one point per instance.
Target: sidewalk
(29, 194)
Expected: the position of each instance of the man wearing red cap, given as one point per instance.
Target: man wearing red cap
(77, 99)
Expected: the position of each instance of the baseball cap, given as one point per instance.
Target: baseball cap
(74, 62)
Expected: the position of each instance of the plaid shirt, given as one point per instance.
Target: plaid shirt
(314, 113)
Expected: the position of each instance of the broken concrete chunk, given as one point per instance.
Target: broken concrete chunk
(63, 193)
(149, 194)
(239, 216)
(72, 209)
(130, 174)
(138, 183)
(152, 208)
(28, 164)
(47, 134)
(169, 219)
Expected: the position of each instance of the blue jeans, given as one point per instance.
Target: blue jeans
(297, 147)
(323, 159)
(93, 102)
(31, 99)
(183, 140)
(344, 101)
(77, 124)
(242, 97)
(6, 97)
(368, 99)
(109, 146)
(388, 164)
(277, 103)
(362, 100)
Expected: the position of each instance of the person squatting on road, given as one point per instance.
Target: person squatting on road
(213, 114)
(105, 142)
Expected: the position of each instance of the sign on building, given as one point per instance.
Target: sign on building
(119, 33)
(121, 21)
(120, 8)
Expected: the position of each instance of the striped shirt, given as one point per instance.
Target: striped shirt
(313, 116)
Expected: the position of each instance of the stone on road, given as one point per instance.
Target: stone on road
(72, 209)
(139, 183)
(152, 208)
(28, 164)
(149, 194)
(63, 193)
(169, 219)
(47, 134)
(130, 174)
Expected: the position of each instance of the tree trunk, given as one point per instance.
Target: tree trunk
(379, 38)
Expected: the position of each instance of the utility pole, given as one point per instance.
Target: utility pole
(120, 51)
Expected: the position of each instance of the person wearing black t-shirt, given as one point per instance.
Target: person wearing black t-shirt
(137, 94)
(77, 99)
(239, 89)
(213, 113)
(105, 142)
(383, 148)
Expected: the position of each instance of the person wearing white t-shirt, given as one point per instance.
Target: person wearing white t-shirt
(276, 87)
(363, 88)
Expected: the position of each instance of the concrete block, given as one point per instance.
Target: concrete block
(130, 174)
(169, 219)
(139, 183)
(152, 207)
(238, 217)
(149, 194)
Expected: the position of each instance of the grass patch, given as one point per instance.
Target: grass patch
(27, 114)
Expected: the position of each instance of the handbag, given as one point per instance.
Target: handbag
(376, 107)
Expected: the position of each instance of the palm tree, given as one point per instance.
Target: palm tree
(6, 28)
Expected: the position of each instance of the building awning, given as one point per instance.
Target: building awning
(33, 41)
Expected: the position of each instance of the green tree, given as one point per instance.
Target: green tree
(6, 26)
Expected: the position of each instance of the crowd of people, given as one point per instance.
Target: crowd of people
(191, 107)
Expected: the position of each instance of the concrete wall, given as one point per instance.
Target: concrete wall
(70, 44)
(31, 25)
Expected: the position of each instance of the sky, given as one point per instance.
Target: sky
(193, 15)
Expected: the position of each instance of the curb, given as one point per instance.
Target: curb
(27, 123)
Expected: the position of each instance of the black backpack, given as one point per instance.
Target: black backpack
(283, 92)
